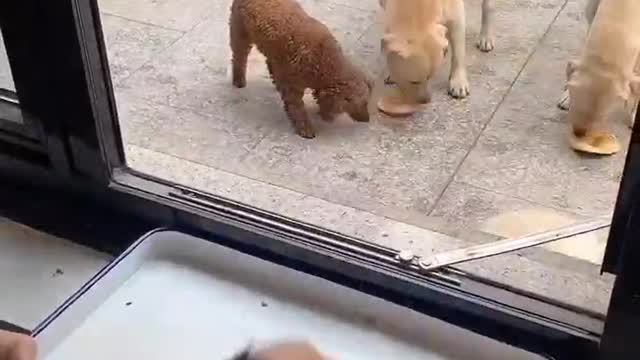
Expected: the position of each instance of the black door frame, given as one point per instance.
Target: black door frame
(620, 339)
(29, 37)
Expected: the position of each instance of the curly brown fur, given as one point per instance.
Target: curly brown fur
(301, 54)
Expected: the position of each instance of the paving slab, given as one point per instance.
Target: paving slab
(192, 74)
(185, 133)
(524, 151)
(528, 157)
(511, 217)
(131, 44)
(171, 14)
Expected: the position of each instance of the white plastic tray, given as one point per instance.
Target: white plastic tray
(173, 296)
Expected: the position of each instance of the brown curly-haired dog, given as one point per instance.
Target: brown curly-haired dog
(301, 54)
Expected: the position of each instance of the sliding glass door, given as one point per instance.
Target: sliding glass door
(476, 210)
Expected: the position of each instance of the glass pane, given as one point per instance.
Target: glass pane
(487, 158)
(6, 80)
(7, 90)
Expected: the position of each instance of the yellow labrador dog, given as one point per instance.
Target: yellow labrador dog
(604, 77)
(417, 34)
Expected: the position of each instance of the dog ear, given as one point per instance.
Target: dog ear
(397, 45)
(572, 66)
(441, 33)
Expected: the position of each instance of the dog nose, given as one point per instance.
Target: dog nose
(361, 116)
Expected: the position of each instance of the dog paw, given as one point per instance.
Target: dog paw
(240, 83)
(459, 87)
(485, 43)
(564, 101)
(306, 132)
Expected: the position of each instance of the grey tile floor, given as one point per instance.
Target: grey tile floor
(169, 60)
(460, 164)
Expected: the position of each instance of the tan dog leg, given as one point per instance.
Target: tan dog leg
(631, 107)
(589, 13)
(458, 82)
(485, 42)
(241, 47)
(294, 107)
